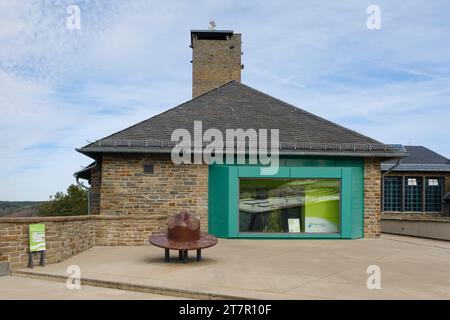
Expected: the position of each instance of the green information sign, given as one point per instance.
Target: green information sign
(37, 237)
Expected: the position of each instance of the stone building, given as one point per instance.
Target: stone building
(416, 186)
(328, 184)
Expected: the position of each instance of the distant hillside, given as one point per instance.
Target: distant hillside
(19, 208)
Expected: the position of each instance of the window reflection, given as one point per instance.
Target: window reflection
(289, 205)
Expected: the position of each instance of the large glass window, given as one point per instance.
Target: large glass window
(413, 194)
(418, 194)
(392, 194)
(289, 205)
(433, 194)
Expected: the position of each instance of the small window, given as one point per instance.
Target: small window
(412, 182)
(148, 168)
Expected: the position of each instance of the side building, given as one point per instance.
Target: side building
(418, 185)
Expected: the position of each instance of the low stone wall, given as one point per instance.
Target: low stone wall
(424, 227)
(68, 236)
(127, 230)
(65, 237)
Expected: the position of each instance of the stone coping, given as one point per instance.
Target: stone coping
(418, 218)
(80, 218)
(172, 292)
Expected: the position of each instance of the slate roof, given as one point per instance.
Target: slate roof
(420, 159)
(235, 105)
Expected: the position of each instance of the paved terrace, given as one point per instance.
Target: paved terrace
(411, 268)
(12, 288)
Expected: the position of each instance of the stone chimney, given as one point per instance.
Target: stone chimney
(216, 59)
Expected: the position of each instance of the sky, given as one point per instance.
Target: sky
(61, 87)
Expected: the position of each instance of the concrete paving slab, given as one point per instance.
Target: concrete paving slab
(12, 288)
(280, 269)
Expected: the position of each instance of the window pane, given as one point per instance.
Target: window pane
(289, 205)
(392, 194)
(433, 194)
(413, 194)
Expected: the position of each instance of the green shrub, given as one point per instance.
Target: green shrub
(74, 203)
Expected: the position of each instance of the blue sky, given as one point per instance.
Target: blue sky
(60, 88)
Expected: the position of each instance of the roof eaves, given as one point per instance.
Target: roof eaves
(354, 150)
(417, 167)
(85, 172)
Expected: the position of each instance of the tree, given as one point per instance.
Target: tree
(74, 203)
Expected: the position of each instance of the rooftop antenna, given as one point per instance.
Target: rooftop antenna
(212, 25)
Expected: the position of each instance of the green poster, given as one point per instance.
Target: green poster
(37, 237)
(322, 207)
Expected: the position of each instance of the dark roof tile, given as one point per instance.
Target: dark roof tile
(420, 159)
(235, 105)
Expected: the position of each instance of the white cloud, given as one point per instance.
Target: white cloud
(130, 60)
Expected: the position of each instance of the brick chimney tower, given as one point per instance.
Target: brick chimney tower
(216, 59)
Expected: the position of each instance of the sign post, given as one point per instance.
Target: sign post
(37, 242)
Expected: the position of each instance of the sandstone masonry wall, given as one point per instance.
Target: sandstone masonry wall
(214, 63)
(372, 198)
(96, 184)
(127, 190)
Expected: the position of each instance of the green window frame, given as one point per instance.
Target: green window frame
(434, 192)
(223, 195)
(392, 194)
(413, 194)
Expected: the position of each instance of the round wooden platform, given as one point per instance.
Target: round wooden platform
(206, 240)
(161, 240)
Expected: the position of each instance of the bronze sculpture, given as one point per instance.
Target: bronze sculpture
(183, 234)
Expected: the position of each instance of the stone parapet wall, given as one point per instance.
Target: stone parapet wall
(68, 236)
(424, 227)
(65, 237)
(128, 230)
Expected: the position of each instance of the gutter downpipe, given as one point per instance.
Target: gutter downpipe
(393, 168)
(81, 184)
